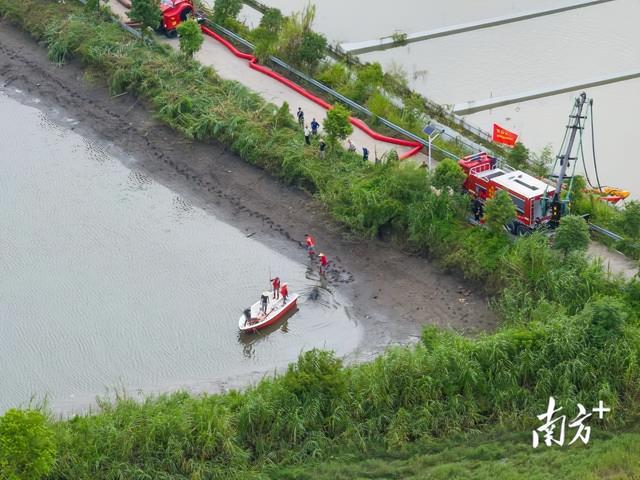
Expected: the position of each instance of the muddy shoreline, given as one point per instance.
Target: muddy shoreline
(393, 295)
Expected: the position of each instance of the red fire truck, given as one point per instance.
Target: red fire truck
(529, 195)
(174, 12)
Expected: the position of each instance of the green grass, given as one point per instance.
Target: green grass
(509, 457)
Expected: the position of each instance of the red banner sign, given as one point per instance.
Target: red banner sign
(502, 135)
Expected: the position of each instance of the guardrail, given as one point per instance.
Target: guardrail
(329, 91)
(605, 232)
(338, 54)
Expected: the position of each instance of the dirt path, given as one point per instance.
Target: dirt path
(393, 294)
(230, 67)
(613, 261)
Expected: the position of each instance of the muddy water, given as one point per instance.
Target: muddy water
(108, 279)
(544, 52)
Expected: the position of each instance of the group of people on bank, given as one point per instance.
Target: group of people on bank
(313, 131)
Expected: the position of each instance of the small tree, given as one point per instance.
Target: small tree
(27, 448)
(540, 163)
(337, 124)
(499, 211)
(272, 20)
(576, 193)
(630, 220)
(190, 37)
(572, 234)
(448, 174)
(225, 10)
(282, 117)
(518, 156)
(146, 12)
(312, 50)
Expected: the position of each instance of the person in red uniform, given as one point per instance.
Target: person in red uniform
(323, 263)
(284, 292)
(275, 282)
(311, 243)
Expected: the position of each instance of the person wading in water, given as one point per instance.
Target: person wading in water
(310, 242)
(323, 264)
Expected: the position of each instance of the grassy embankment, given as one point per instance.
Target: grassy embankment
(387, 95)
(569, 330)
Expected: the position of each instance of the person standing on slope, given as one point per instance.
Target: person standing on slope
(307, 135)
(300, 116)
(314, 127)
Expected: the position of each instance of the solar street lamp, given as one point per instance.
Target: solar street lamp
(433, 133)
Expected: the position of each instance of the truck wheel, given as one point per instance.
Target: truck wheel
(171, 33)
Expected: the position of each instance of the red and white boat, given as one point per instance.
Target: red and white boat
(255, 318)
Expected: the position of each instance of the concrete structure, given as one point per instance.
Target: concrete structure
(467, 108)
(385, 43)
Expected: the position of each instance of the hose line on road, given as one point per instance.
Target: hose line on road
(356, 122)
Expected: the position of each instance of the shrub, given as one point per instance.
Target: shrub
(335, 75)
(499, 211)
(572, 234)
(225, 11)
(191, 37)
(629, 222)
(518, 156)
(448, 174)
(146, 12)
(312, 50)
(27, 447)
(337, 124)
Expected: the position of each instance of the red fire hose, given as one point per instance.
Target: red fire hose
(354, 121)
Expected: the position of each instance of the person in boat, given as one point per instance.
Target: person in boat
(275, 282)
(323, 263)
(247, 316)
(284, 291)
(264, 299)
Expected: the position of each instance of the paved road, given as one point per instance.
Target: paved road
(230, 67)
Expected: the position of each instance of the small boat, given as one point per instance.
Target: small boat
(254, 318)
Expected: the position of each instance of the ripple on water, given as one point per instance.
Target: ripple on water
(141, 294)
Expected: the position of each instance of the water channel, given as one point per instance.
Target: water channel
(109, 280)
(510, 59)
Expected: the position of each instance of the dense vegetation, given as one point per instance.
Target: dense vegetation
(570, 330)
(387, 95)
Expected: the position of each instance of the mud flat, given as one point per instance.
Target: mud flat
(389, 294)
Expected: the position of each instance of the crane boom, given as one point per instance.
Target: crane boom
(575, 126)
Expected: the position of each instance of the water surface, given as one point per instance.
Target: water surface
(109, 279)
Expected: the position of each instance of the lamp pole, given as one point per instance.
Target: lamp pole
(432, 132)
(431, 139)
